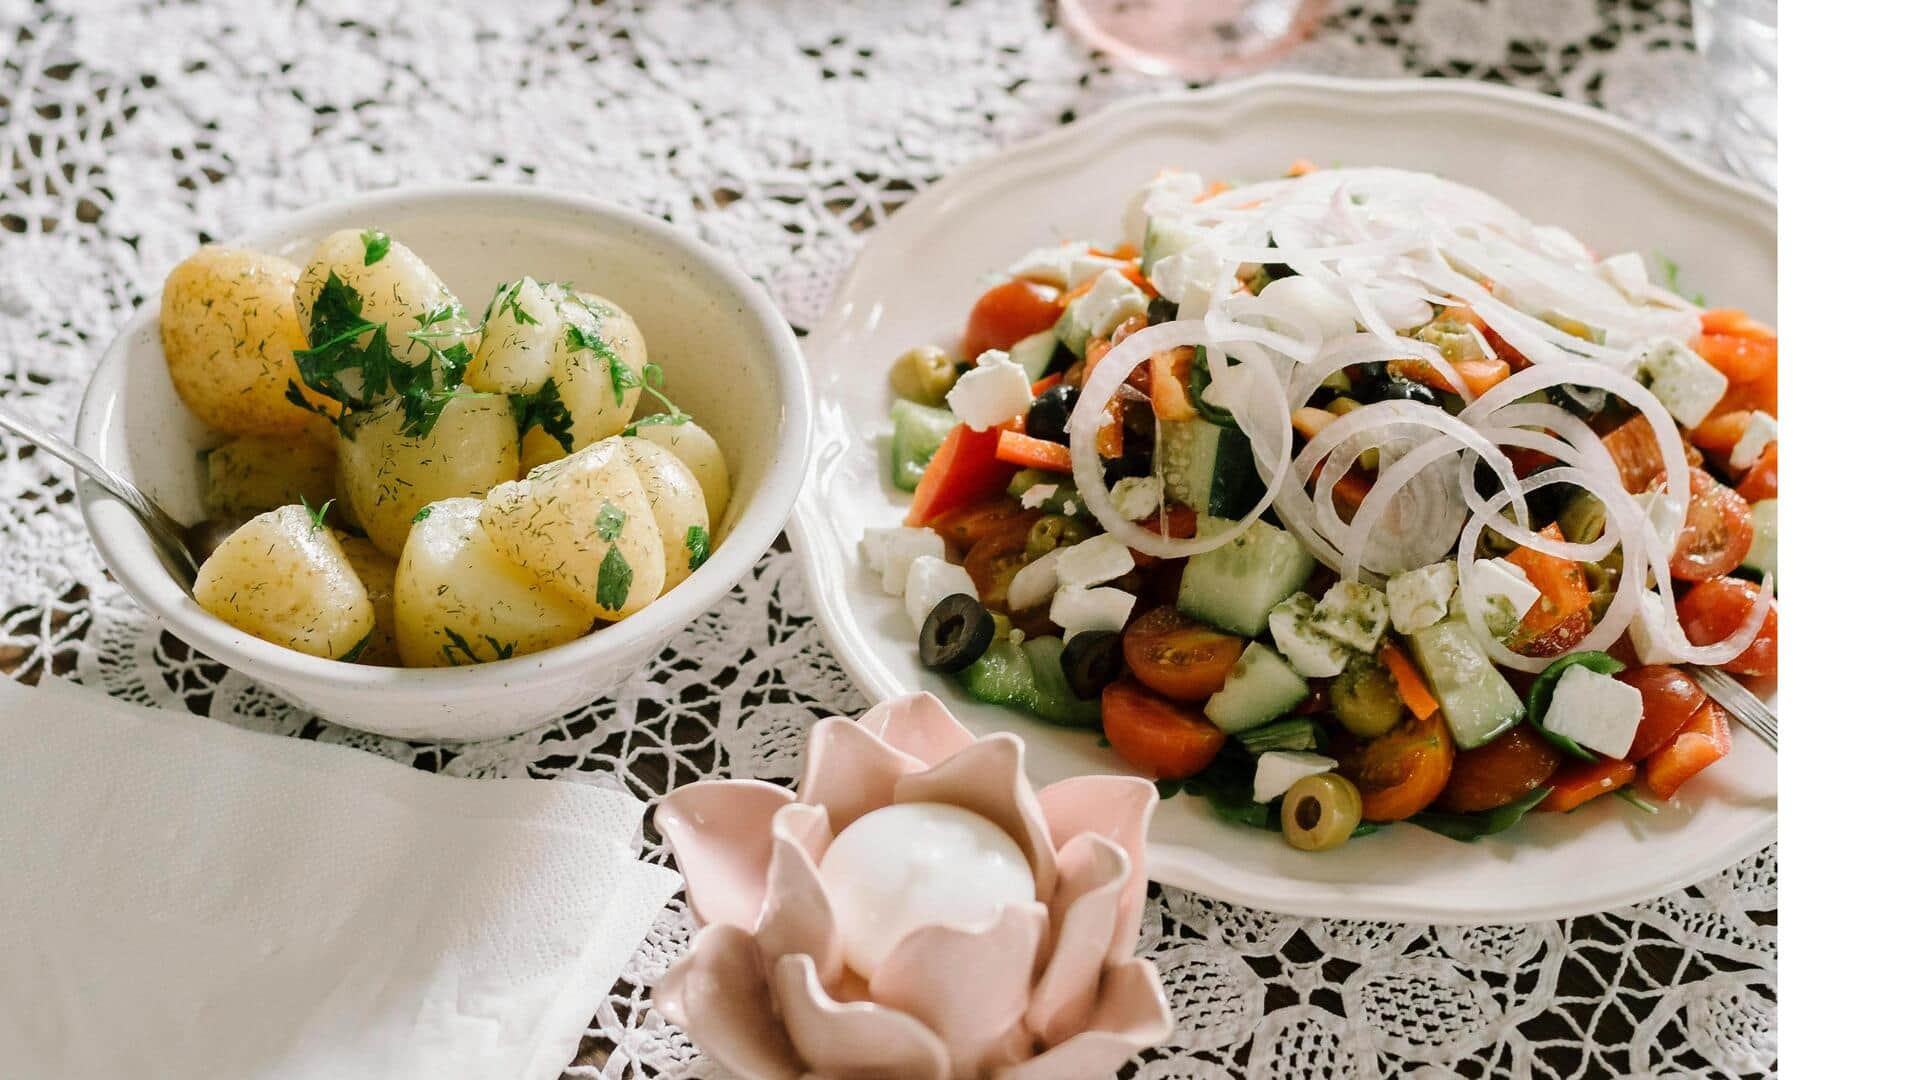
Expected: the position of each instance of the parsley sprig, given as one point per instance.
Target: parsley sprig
(457, 647)
(354, 363)
(616, 576)
(699, 546)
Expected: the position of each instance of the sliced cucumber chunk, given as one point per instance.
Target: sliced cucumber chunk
(1764, 556)
(918, 431)
(1293, 733)
(1052, 699)
(1210, 468)
(1260, 687)
(1035, 354)
(1475, 699)
(1002, 676)
(1165, 237)
(1235, 585)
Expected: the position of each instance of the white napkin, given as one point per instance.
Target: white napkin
(183, 898)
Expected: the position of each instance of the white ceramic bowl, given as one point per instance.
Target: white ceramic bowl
(918, 274)
(730, 360)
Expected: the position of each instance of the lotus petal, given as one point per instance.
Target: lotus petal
(990, 779)
(1118, 808)
(1094, 872)
(722, 839)
(796, 916)
(852, 1038)
(717, 995)
(1132, 1015)
(850, 771)
(920, 725)
(969, 985)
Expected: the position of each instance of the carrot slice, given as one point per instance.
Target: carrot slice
(1047, 384)
(1635, 453)
(1170, 369)
(1720, 433)
(1707, 738)
(1481, 374)
(963, 471)
(1407, 680)
(1027, 452)
(1580, 782)
(1563, 614)
(1310, 421)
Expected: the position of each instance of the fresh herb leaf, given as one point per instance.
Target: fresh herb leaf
(1633, 799)
(457, 646)
(353, 654)
(508, 296)
(317, 517)
(422, 514)
(698, 546)
(544, 409)
(376, 244)
(581, 339)
(301, 400)
(656, 420)
(1670, 270)
(609, 521)
(500, 651)
(616, 579)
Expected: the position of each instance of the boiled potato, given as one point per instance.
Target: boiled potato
(519, 337)
(375, 569)
(456, 600)
(597, 405)
(228, 327)
(255, 473)
(282, 577)
(696, 449)
(388, 476)
(678, 507)
(395, 287)
(583, 528)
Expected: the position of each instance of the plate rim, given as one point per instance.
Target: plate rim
(812, 533)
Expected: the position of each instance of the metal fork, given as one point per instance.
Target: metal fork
(1752, 713)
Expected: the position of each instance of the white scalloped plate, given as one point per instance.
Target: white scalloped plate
(919, 273)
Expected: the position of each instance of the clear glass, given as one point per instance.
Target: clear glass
(1740, 41)
(1194, 39)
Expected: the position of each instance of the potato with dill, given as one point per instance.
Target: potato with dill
(229, 328)
(361, 276)
(696, 449)
(596, 381)
(283, 577)
(679, 509)
(255, 473)
(376, 570)
(582, 527)
(519, 335)
(388, 473)
(457, 600)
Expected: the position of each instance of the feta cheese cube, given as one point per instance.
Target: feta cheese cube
(1688, 386)
(1077, 609)
(931, 579)
(1503, 592)
(891, 551)
(1087, 265)
(1307, 650)
(1352, 613)
(1189, 276)
(994, 392)
(1656, 637)
(1048, 265)
(1420, 598)
(1305, 306)
(1171, 188)
(1761, 430)
(1092, 561)
(1136, 497)
(1278, 770)
(1627, 272)
(1037, 495)
(1594, 710)
(1112, 301)
(1035, 582)
(1666, 520)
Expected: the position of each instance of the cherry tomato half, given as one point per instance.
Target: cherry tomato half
(1717, 533)
(1713, 609)
(1400, 773)
(1181, 657)
(1164, 739)
(1763, 480)
(965, 526)
(1499, 772)
(1008, 312)
(1668, 699)
(993, 560)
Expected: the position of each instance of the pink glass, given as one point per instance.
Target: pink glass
(1194, 39)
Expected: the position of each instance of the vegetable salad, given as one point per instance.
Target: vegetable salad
(409, 485)
(1346, 498)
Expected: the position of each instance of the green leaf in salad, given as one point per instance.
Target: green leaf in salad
(544, 409)
(609, 521)
(318, 518)
(614, 582)
(1540, 695)
(699, 546)
(376, 244)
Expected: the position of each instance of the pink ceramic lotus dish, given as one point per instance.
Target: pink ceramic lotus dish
(918, 909)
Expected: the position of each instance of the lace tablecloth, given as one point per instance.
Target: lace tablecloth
(133, 131)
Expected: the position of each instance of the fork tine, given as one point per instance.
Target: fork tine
(1752, 713)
